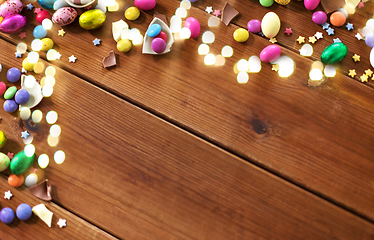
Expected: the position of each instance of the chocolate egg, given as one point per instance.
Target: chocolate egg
(92, 19)
(270, 24)
(10, 7)
(13, 23)
(270, 53)
(64, 16)
(334, 53)
(48, 4)
(21, 162)
(145, 4)
(194, 26)
(4, 161)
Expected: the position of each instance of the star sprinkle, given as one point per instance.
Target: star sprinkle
(312, 39)
(217, 13)
(58, 55)
(96, 41)
(358, 36)
(318, 35)
(360, 5)
(18, 54)
(325, 26)
(288, 31)
(273, 40)
(364, 78)
(61, 223)
(25, 134)
(61, 32)
(209, 10)
(275, 67)
(22, 35)
(337, 40)
(368, 72)
(72, 58)
(330, 31)
(301, 39)
(24, 70)
(349, 26)
(30, 6)
(8, 195)
(352, 73)
(356, 58)
(10, 155)
(37, 10)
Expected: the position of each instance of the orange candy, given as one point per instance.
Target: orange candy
(337, 19)
(16, 180)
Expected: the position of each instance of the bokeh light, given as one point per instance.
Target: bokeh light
(59, 156)
(43, 160)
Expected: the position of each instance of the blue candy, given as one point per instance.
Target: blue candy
(154, 30)
(10, 106)
(24, 211)
(7, 215)
(22, 96)
(48, 4)
(39, 32)
(13, 75)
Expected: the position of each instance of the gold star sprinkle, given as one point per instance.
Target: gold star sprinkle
(275, 67)
(61, 32)
(372, 78)
(368, 72)
(273, 40)
(356, 58)
(352, 73)
(312, 39)
(301, 39)
(364, 78)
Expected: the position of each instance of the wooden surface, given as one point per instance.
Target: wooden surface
(164, 147)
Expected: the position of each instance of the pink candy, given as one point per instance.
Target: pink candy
(311, 4)
(145, 4)
(2, 88)
(13, 23)
(10, 7)
(194, 26)
(270, 53)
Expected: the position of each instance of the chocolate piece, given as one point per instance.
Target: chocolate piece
(228, 14)
(42, 190)
(110, 61)
(332, 5)
(162, 17)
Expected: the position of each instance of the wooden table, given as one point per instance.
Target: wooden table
(165, 147)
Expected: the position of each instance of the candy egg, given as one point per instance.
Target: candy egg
(22, 96)
(16, 180)
(132, 13)
(369, 39)
(64, 16)
(48, 4)
(154, 30)
(266, 3)
(92, 19)
(10, 92)
(13, 75)
(372, 57)
(311, 4)
(270, 24)
(124, 45)
(254, 26)
(2, 88)
(283, 2)
(2, 139)
(337, 19)
(334, 53)
(42, 15)
(13, 23)
(145, 4)
(194, 26)
(241, 35)
(158, 45)
(10, 7)
(10, 106)
(270, 53)
(21, 162)
(319, 17)
(27, 65)
(4, 161)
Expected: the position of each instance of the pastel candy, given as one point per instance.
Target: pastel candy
(10, 7)
(334, 53)
(270, 24)
(154, 30)
(270, 53)
(194, 26)
(145, 4)
(311, 4)
(48, 4)
(13, 24)
(4, 161)
(319, 17)
(64, 16)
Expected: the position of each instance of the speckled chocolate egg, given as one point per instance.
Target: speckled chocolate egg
(64, 16)
(13, 23)
(92, 19)
(10, 7)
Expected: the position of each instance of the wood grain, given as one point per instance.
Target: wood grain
(138, 177)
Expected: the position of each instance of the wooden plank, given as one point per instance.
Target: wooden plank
(139, 177)
(269, 121)
(34, 228)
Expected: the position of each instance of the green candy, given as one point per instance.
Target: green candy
(9, 93)
(92, 19)
(334, 53)
(266, 3)
(21, 162)
(4, 161)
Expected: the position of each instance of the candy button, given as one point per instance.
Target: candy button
(47, 44)
(7, 215)
(27, 65)
(21, 162)
(22, 96)
(162, 35)
(158, 45)
(319, 17)
(132, 13)
(254, 26)
(337, 19)
(154, 30)
(311, 4)
(39, 32)
(24, 211)
(42, 15)
(241, 35)
(10, 106)
(13, 75)
(194, 26)
(124, 45)
(2, 88)
(16, 180)
(9, 93)
(266, 3)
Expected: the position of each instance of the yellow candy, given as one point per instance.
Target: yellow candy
(132, 13)
(92, 19)
(27, 66)
(47, 44)
(2, 139)
(282, 2)
(241, 35)
(124, 45)
(1, 19)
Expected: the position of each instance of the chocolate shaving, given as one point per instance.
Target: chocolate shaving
(42, 190)
(332, 5)
(228, 14)
(162, 17)
(110, 61)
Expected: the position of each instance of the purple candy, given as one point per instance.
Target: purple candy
(319, 17)
(158, 45)
(10, 106)
(7, 215)
(254, 26)
(24, 211)
(13, 75)
(369, 39)
(22, 96)
(13, 23)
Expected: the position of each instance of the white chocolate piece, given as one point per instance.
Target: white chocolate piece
(43, 213)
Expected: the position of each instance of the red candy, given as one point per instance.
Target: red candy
(2, 88)
(42, 15)
(163, 36)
